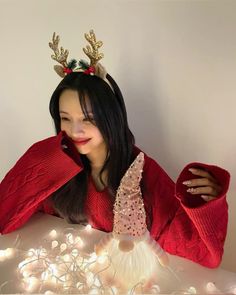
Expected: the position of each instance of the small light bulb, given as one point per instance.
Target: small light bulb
(155, 289)
(97, 282)
(192, 290)
(79, 285)
(93, 255)
(53, 233)
(211, 287)
(88, 227)
(63, 247)
(75, 252)
(10, 252)
(70, 238)
(54, 244)
(66, 258)
(101, 259)
(26, 274)
(30, 254)
(2, 255)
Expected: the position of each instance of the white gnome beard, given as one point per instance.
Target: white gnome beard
(139, 266)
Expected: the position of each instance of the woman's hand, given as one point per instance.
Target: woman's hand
(205, 185)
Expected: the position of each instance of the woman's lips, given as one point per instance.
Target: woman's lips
(81, 141)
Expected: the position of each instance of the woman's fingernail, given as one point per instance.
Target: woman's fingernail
(187, 182)
(205, 198)
(191, 190)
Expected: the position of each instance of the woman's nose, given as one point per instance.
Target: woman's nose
(77, 128)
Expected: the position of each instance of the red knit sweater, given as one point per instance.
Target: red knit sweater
(183, 224)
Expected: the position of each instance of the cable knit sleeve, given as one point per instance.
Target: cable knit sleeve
(183, 224)
(208, 219)
(37, 174)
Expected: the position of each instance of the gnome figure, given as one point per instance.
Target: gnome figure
(135, 257)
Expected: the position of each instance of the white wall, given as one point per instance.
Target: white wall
(174, 60)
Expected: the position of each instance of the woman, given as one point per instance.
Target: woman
(76, 173)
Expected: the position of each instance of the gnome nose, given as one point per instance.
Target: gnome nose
(126, 246)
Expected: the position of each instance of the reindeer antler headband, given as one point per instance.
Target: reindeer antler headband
(61, 55)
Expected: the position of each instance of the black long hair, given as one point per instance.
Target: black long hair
(110, 117)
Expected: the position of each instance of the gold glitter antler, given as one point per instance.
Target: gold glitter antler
(59, 55)
(92, 52)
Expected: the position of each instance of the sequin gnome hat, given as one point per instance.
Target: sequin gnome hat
(129, 212)
(60, 55)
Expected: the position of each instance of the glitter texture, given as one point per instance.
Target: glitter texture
(129, 212)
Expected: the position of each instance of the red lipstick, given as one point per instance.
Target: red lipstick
(81, 141)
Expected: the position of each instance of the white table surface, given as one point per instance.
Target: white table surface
(35, 232)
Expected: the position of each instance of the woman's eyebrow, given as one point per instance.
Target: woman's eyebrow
(63, 112)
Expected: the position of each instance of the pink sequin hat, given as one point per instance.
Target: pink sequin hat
(129, 212)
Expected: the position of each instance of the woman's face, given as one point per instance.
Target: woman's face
(85, 135)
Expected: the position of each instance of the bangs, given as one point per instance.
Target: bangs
(85, 103)
(86, 106)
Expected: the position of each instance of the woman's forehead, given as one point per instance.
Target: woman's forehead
(70, 101)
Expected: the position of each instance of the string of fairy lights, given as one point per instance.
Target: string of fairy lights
(61, 265)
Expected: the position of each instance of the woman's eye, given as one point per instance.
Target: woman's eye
(88, 120)
(64, 119)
